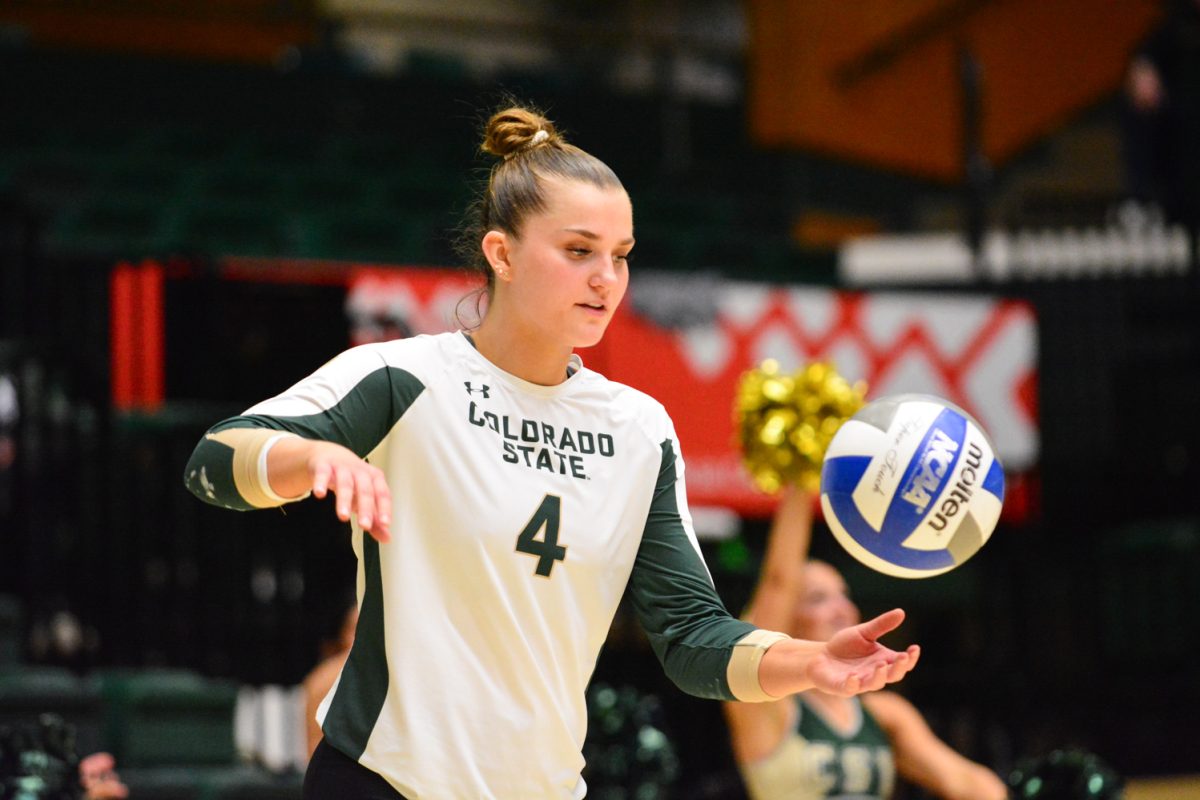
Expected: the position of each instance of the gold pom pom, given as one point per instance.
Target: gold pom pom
(785, 422)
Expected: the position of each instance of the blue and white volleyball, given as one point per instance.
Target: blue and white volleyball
(911, 486)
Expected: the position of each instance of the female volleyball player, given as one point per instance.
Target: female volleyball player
(510, 495)
(826, 744)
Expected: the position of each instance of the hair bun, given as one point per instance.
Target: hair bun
(516, 129)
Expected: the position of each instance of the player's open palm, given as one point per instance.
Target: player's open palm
(854, 661)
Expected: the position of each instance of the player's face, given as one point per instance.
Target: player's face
(825, 606)
(569, 266)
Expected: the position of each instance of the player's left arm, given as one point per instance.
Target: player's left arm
(708, 653)
(672, 593)
(924, 759)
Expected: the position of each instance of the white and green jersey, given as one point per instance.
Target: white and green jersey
(520, 514)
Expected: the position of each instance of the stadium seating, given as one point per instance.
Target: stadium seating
(10, 631)
(28, 691)
(168, 717)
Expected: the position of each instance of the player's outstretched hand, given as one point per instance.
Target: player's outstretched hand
(853, 661)
(357, 485)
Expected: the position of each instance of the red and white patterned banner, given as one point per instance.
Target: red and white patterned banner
(687, 343)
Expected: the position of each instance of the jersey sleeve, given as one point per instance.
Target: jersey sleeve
(354, 401)
(703, 649)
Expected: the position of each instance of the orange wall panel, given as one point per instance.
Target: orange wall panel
(1041, 62)
(1045, 61)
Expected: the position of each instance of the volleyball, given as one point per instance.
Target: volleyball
(911, 486)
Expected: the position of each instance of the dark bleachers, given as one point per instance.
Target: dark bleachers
(142, 158)
(10, 631)
(208, 783)
(27, 692)
(156, 718)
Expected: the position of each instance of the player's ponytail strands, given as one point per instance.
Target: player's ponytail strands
(742, 672)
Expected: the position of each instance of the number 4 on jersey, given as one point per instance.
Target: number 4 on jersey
(547, 549)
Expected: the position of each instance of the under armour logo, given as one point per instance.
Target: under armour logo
(483, 390)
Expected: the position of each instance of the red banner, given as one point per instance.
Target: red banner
(687, 343)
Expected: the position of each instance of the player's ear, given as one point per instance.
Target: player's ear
(495, 247)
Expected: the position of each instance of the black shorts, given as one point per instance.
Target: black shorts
(333, 775)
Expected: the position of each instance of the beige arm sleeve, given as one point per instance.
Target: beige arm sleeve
(742, 672)
(250, 447)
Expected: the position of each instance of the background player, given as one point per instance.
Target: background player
(819, 744)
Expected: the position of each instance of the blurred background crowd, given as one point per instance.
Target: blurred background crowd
(189, 194)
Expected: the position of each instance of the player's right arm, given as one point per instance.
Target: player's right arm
(924, 759)
(296, 466)
(781, 578)
(313, 437)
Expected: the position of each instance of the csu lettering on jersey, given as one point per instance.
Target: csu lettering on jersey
(848, 770)
(539, 445)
